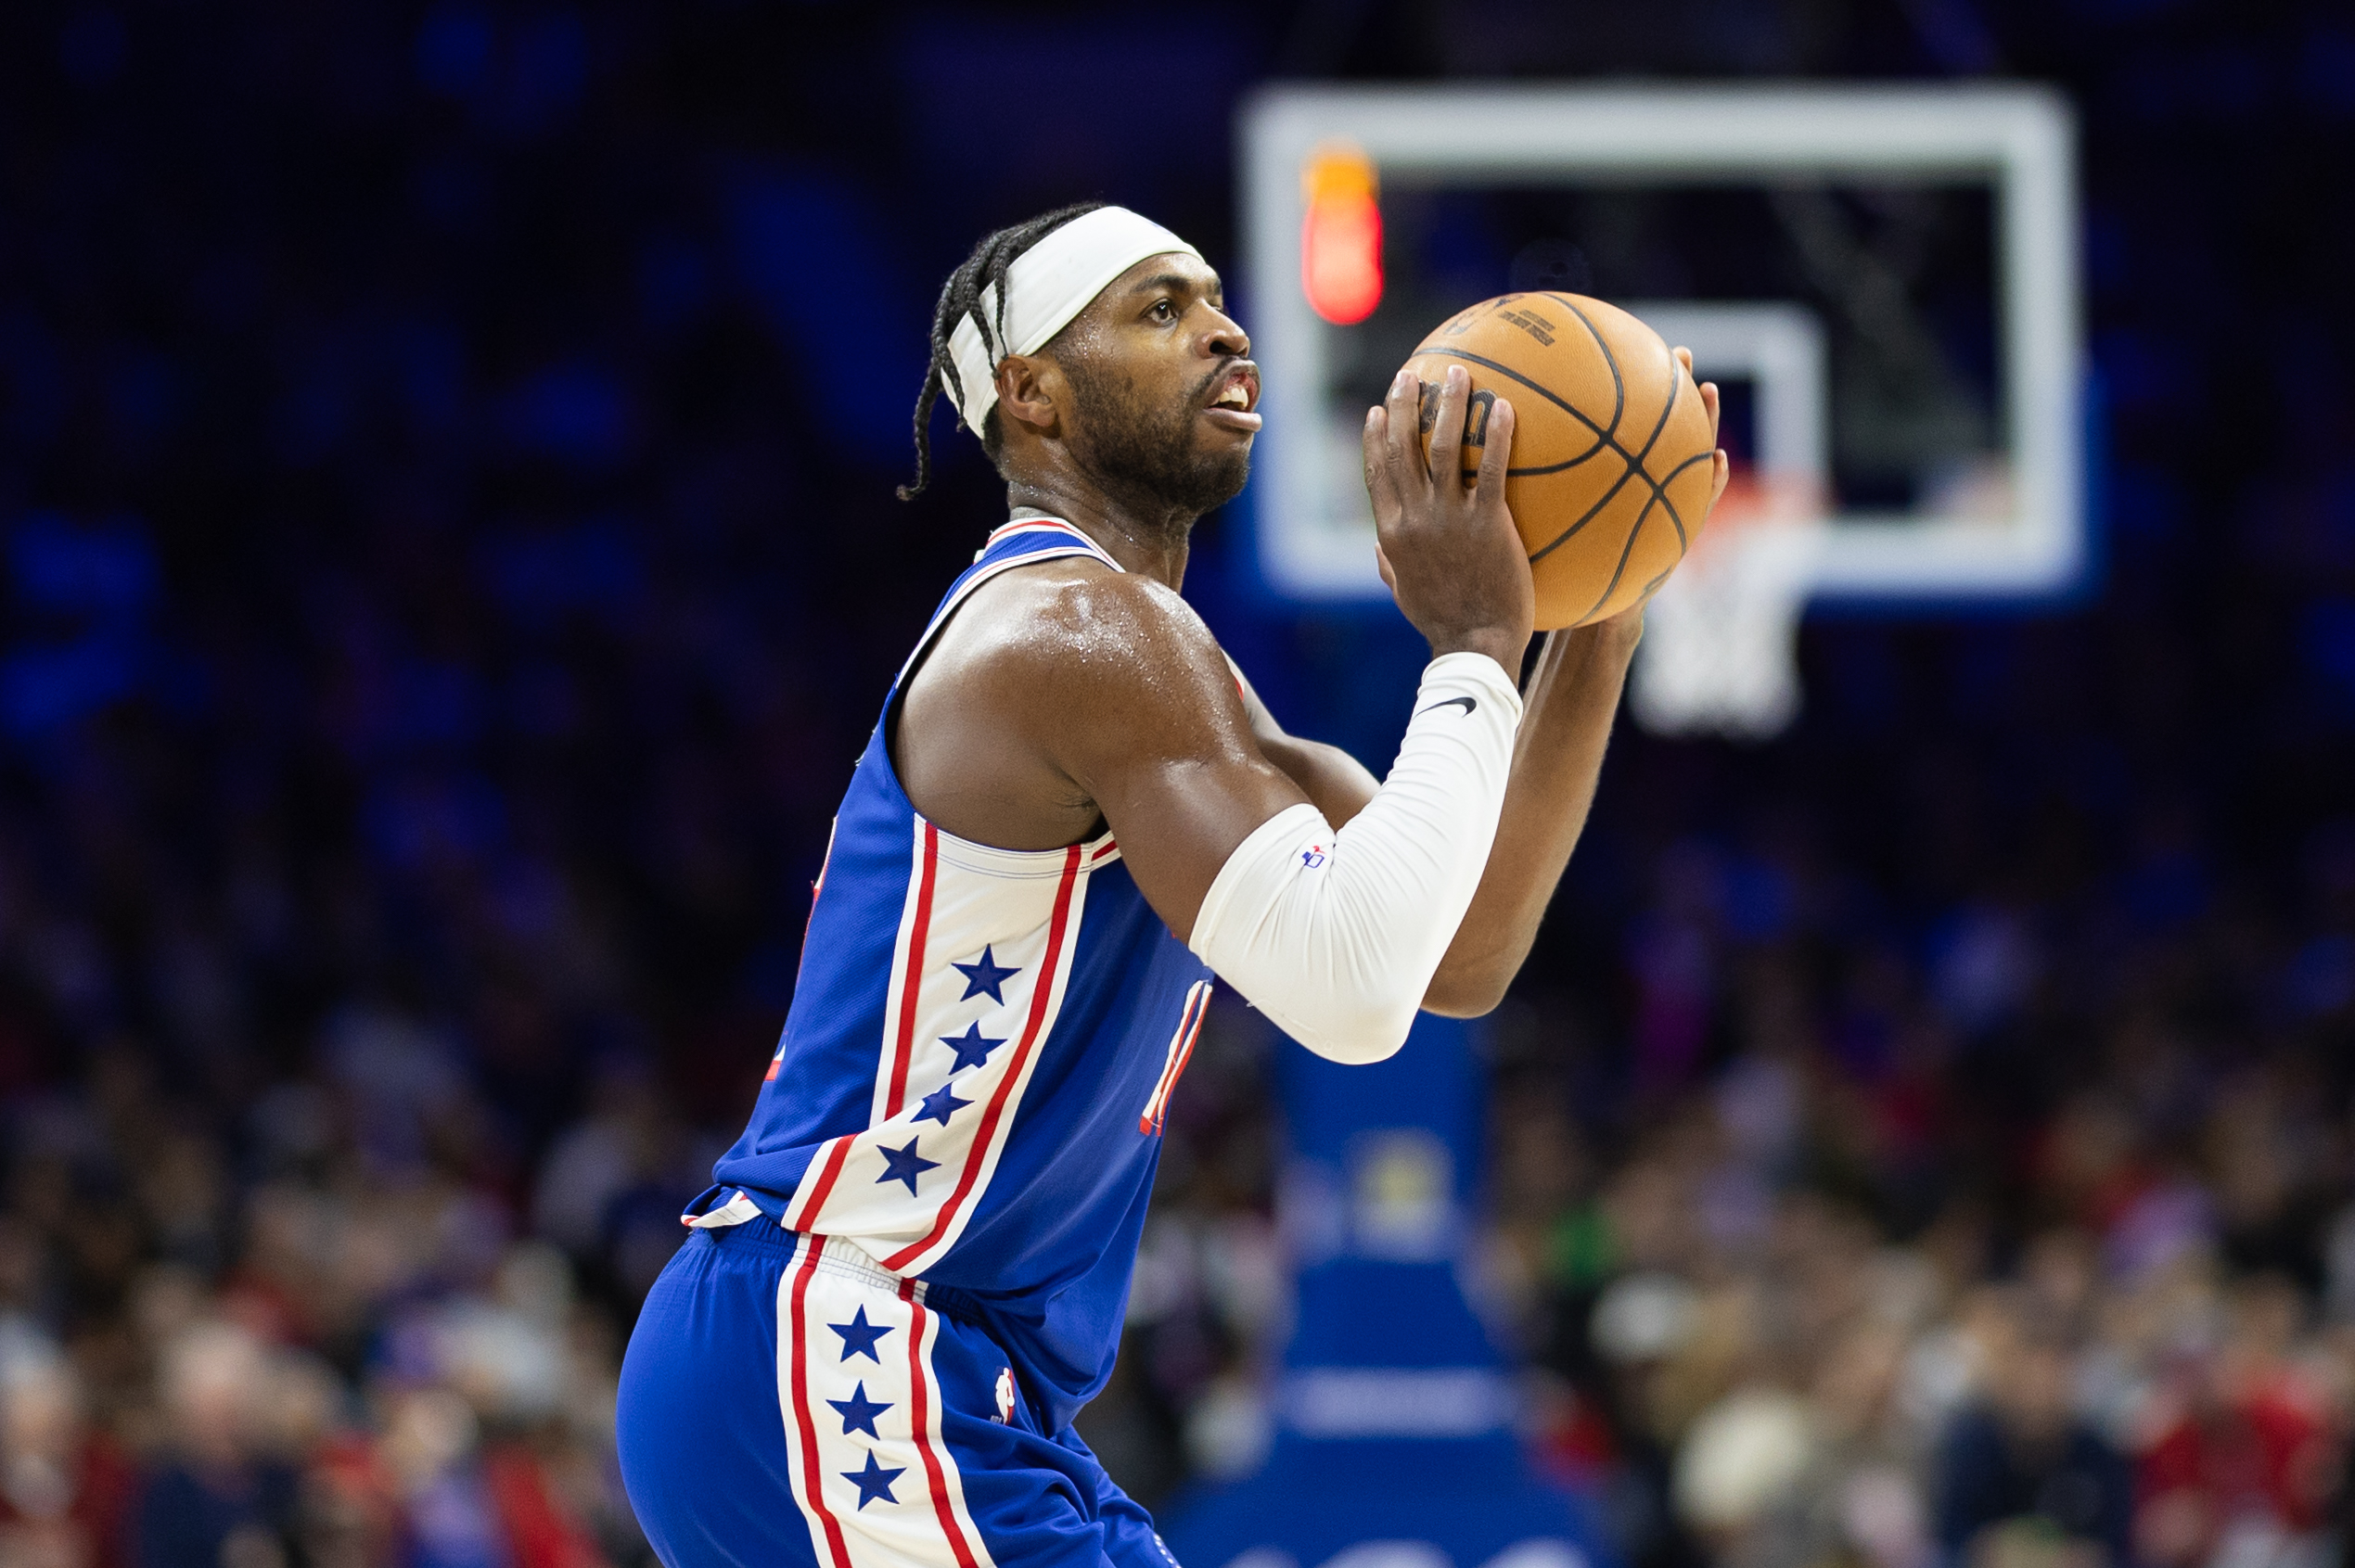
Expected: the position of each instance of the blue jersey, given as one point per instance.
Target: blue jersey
(972, 1077)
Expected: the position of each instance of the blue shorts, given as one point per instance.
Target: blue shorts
(787, 1404)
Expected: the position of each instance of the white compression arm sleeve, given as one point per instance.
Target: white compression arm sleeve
(1336, 936)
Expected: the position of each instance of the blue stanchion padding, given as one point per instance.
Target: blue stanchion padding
(1395, 1443)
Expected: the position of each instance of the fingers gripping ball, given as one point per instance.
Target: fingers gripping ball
(1611, 464)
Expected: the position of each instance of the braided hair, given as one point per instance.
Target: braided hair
(961, 296)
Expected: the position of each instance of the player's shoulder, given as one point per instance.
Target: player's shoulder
(1076, 622)
(1076, 604)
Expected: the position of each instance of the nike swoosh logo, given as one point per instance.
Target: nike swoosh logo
(1470, 704)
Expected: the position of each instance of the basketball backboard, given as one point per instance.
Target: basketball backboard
(1884, 280)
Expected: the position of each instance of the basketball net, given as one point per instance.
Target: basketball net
(1719, 654)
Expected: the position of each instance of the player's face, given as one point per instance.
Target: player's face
(1167, 396)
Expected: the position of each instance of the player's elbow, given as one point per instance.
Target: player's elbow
(1463, 1001)
(1469, 989)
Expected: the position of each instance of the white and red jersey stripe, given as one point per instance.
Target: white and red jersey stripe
(973, 1080)
(868, 1464)
(983, 956)
(1156, 1110)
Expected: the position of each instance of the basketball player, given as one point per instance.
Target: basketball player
(1072, 821)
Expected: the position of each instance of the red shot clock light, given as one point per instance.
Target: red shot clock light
(1341, 237)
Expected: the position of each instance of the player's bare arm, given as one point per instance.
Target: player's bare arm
(1071, 697)
(1071, 694)
(1335, 782)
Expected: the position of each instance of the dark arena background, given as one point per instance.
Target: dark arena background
(446, 467)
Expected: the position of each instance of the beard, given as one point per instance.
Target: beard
(1147, 453)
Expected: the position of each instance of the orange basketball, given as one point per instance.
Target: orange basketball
(1610, 465)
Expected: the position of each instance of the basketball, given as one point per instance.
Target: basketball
(1610, 467)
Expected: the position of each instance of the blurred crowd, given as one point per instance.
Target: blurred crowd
(324, 1333)
(1814, 1259)
(2034, 1249)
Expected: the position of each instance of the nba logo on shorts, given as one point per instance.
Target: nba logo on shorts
(1005, 1395)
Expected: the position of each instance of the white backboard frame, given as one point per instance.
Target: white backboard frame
(1313, 532)
(1778, 348)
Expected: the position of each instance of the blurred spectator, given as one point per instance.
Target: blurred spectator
(65, 1489)
(2021, 1476)
(2242, 1457)
(219, 1495)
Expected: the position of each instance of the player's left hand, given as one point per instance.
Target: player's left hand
(1721, 467)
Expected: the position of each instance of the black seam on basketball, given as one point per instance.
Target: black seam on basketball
(1674, 382)
(1605, 439)
(1635, 470)
(1635, 460)
(1670, 505)
(1637, 465)
(1602, 438)
(1618, 385)
(1619, 571)
(1585, 517)
(1659, 492)
(1659, 487)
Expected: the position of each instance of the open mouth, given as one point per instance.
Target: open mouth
(1235, 402)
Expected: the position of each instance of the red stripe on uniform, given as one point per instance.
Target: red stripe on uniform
(1101, 853)
(1040, 992)
(1185, 1054)
(920, 1413)
(799, 1319)
(1035, 525)
(1150, 1120)
(915, 981)
(1156, 1110)
(816, 1199)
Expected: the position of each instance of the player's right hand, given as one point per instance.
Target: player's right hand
(1448, 551)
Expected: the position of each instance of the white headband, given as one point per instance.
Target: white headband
(1048, 284)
